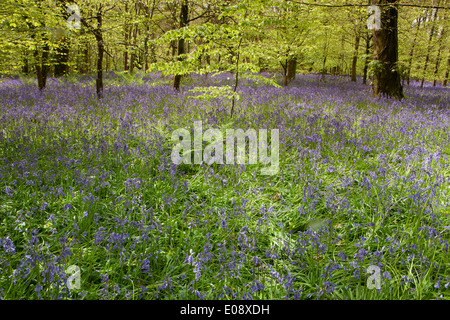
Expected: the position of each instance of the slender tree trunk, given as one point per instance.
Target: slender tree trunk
(387, 77)
(183, 22)
(325, 52)
(261, 65)
(342, 66)
(236, 77)
(62, 50)
(107, 63)
(444, 83)
(291, 71)
(26, 65)
(438, 57)
(201, 55)
(83, 50)
(427, 57)
(135, 31)
(366, 60)
(62, 58)
(86, 61)
(150, 11)
(126, 39)
(100, 47)
(355, 57)
(172, 48)
(411, 52)
(145, 64)
(153, 52)
(42, 65)
(284, 66)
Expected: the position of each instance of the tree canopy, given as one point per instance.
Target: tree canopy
(181, 37)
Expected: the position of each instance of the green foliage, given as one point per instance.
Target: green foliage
(262, 33)
(215, 92)
(374, 66)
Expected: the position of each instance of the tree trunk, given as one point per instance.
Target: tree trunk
(444, 83)
(100, 47)
(342, 66)
(366, 60)
(387, 77)
(438, 57)
(135, 30)
(86, 61)
(62, 50)
(411, 52)
(284, 66)
(291, 69)
(355, 57)
(183, 22)
(26, 65)
(236, 77)
(106, 64)
(201, 55)
(149, 11)
(262, 65)
(427, 58)
(42, 65)
(62, 58)
(126, 36)
(172, 48)
(325, 51)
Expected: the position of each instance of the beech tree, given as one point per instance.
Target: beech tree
(30, 26)
(386, 75)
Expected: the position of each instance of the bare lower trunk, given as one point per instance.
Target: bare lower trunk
(411, 52)
(236, 78)
(42, 66)
(387, 77)
(149, 11)
(355, 58)
(126, 36)
(291, 69)
(183, 22)
(438, 57)
(86, 61)
(285, 79)
(62, 58)
(366, 60)
(101, 49)
(107, 63)
(26, 65)
(342, 65)
(325, 49)
(427, 58)
(444, 83)
(135, 30)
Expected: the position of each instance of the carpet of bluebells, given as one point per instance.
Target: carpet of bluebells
(362, 182)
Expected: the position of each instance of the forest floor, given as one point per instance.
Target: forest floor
(359, 207)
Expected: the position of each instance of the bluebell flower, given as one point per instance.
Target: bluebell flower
(8, 246)
(329, 286)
